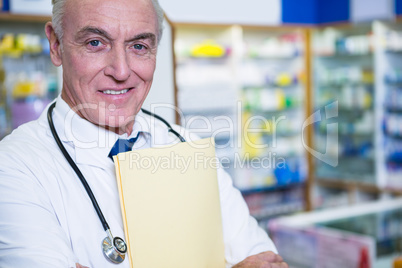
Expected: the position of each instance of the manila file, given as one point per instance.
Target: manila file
(170, 205)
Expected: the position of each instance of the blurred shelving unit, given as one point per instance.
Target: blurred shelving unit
(389, 87)
(354, 133)
(344, 96)
(245, 86)
(28, 78)
(355, 79)
(232, 78)
(273, 86)
(206, 90)
(22, 18)
(344, 81)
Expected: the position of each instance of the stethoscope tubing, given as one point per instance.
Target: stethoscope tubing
(170, 129)
(77, 170)
(75, 167)
(114, 248)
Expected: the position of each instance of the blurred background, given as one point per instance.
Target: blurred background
(303, 98)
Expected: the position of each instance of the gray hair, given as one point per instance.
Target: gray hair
(58, 13)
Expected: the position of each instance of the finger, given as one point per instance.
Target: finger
(279, 258)
(270, 256)
(279, 265)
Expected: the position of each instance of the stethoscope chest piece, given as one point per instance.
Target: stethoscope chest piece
(115, 248)
(114, 251)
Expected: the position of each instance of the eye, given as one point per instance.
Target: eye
(139, 47)
(95, 43)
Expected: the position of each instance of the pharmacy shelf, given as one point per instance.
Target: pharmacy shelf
(272, 188)
(389, 142)
(267, 203)
(274, 61)
(9, 17)
(355, 186)
(30, 79)
(344, 65)
(277, 210)
(254, 74)
(345, 79)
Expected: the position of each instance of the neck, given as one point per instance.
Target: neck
(120, 130)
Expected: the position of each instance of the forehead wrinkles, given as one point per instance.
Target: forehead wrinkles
(113, 17)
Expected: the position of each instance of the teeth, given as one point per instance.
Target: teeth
(113, 92)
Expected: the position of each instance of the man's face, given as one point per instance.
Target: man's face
(108, 57)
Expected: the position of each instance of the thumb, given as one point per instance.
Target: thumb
(77, 265)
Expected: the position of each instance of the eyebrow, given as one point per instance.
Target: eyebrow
(144, 36)
(90, 29)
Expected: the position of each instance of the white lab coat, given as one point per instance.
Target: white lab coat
(46, 216)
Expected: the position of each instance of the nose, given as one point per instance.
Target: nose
(118, 66)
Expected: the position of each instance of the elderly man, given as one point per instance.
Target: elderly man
(107, 49)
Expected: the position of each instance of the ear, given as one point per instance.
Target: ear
(54, 43)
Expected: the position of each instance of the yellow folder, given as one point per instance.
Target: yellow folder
(170, 204)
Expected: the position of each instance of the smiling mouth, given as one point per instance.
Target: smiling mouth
(116, 92)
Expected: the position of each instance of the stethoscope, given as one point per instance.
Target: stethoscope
(114, 248)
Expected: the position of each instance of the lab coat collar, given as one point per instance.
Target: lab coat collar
(91, 143)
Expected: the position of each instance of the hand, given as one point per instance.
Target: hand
(266, 259)
(77, 265)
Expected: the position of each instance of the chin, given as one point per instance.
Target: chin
(119, 122)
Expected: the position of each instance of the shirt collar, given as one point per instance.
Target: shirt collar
(91, 143)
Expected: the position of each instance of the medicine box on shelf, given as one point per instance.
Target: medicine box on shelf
(31, 7)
